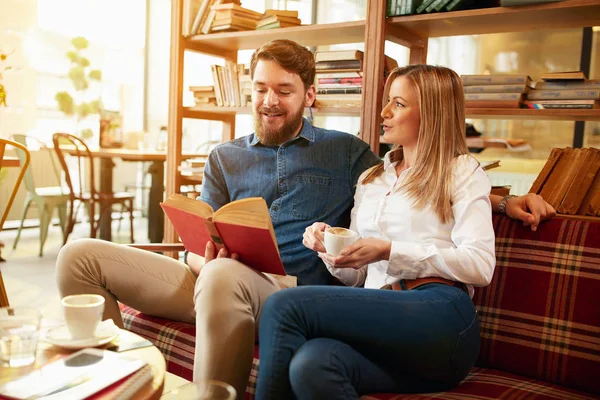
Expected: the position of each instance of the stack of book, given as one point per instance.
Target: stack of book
(495, 91)
(272, 19)
(193, 167)
(204, 95)
(339, 78)
(409, 7)
(570, 181)
(231, 17)
(232, 85)
(198, 15)
(564, 90)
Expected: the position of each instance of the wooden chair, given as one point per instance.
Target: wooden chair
(66, 146)
(23, 167)
(46, 198)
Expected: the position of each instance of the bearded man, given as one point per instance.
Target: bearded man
(306, 175)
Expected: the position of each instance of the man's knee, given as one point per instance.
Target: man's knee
(69, 260)
(221, 277)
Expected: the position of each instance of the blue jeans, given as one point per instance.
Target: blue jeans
(340, 343)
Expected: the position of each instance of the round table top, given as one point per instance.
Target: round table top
(47, 353)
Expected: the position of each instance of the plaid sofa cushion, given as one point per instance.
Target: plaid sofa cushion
(540, 316)
(489, 384)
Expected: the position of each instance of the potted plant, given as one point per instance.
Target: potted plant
(81, 75)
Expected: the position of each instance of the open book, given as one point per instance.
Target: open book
(242, 226)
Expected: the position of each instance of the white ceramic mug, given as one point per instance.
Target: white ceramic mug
(338, 238)
(83, 313)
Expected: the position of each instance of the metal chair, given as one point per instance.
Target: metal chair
(46, 198)
(23, 167)
(67, 145)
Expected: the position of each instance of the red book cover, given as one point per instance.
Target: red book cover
(243, 227)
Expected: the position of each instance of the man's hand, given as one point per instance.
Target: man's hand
(313, 236)
(362, 252)
(210, 253)
(530, 208)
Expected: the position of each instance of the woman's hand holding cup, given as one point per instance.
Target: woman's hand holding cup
(313, 236)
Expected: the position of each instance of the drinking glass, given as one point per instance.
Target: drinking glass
(205, 390)
(19, 333)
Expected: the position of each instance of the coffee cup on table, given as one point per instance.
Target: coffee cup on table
(338, 238)
(83, 313)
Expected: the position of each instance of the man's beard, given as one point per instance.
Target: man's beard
(275, 137)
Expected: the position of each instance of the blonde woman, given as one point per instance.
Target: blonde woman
(424, 218)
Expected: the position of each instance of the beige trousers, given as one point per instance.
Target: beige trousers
(225, 301)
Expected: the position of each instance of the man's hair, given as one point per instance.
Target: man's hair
(290, 56)
(441, 138)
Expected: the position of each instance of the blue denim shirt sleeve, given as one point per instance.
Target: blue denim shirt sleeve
(214, 188)
(361, 159)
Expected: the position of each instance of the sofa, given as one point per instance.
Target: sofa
(540, 319)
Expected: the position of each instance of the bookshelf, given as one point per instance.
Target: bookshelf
(409, 31)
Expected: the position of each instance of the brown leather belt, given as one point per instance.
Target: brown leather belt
(409, 284)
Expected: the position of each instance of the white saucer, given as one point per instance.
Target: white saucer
(60, 336)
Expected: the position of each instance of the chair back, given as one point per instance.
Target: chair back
(34, 144)
(24, 164)
(71, 147)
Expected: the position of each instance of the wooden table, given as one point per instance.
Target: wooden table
(47, 353)
(157, 171)
(10, 162)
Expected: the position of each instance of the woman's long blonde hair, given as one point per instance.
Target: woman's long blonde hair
(441, 136)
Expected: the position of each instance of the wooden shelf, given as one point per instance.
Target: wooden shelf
(307, 35)
(218, 113)
(560, 15)
(524, 113)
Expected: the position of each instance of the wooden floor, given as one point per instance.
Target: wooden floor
(30, 280)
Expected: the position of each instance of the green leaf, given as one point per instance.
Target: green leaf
(84, 62)
(79, 43)
(95, 75)
(77, 76)
(65, 103)
(96, 106)
(73, 56)
(87, 134)
(84, 109)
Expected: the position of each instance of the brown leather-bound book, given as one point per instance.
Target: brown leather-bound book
(591, 198)
(560, 189)
(586, 171)
(542, 177)
(550, 189)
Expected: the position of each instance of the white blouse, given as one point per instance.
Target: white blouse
(460, 250)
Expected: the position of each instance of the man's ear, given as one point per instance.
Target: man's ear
(309, 97)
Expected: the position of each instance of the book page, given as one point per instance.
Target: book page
(193, 206)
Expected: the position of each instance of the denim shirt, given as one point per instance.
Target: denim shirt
(310, 178)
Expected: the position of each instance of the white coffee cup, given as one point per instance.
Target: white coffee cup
(83, 313)
(338, 238)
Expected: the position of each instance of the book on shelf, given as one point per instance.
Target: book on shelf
(493, 96)
(493, 104)
(434, 5)
(470, 80)
(338, 55)
(282, 13)
(559, 173)
(591, 202)
(566, 84)
(456, 5)
(340, 81)
(200, 16)
(217, 84)
(339, 66)
(421, 8)
(87, 373)
(522, 88)
(568, 94)
(351, 90)
(270, 19)
(558, 104)
(237, 9)
(233, 23)
(561, 76)
(206, 88)
(326, 74)
(277, 25)
(242, 226)
(480, 142)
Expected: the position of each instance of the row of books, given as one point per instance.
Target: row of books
(410, 7)
(570, 181)
(206, 16)
(555, 90)
(232, 87)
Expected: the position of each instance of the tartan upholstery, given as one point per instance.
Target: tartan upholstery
(540, 319)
